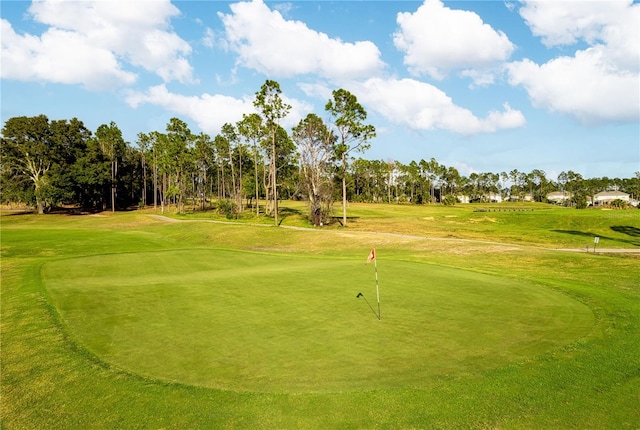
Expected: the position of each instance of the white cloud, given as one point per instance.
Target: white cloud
(268, 43)
(424, 107)
(564, 23)
(318, 90)
(596, 85)
(90, 42)
(209, 38)
(613, 24)
(284, 8)
(53, 57)
(436, 40)
(464, 169)
(209, 111)
(583, 86)
(481, 78)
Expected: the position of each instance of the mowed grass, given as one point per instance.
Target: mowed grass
(569, 359)
(533, 223)
(257, 322)
(536, 224)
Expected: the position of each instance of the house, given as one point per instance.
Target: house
(488, 197)
(492, 197)
(521, 198)
(606, 197)
(558, 197)
(463, 198)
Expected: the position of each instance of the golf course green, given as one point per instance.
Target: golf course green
(488, 320)
(246, 321)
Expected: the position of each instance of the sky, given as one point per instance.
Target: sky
(483, 86)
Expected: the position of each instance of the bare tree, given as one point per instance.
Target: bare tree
(315, 147)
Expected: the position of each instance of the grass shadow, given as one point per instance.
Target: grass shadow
(16, 212)
(627, 229)
(631, 231)
(287, 212)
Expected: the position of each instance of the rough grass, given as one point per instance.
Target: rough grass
(53, 379)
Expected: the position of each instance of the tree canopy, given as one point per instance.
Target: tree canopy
(48, 163)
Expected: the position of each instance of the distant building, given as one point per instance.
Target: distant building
(489, 197)
(493, 197)
(463, 198)
(521, 198)
(606, 197)
(558, 197)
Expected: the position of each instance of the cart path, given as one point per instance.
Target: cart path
(408, 236)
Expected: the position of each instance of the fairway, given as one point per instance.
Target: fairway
(268, 322)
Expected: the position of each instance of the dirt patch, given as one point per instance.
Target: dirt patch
(483, 219)
(165, 218)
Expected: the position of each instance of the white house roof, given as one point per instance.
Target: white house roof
(611, 194)
(559, 195)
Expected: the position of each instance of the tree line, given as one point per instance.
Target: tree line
(48, 163)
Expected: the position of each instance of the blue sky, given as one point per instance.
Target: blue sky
(484, 86)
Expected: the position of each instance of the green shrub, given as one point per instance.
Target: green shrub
(228, 208)
(449, 200)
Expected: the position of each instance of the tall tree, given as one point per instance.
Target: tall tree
(221, 150)
(539, 179)
(272, 109)
(632, 186)
(92, 177)
(286, 163)
(28, 151)
(70, 138)
(110, 139)
(250, 128)
(179, 153)
(144, 144)
(576, 188)
(204, 158)
(157, 140)
(353, 135)
(434, 171)
(451, 178)
(43, 154)
(315, 142)
(230, 134)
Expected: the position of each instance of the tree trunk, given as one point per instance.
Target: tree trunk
(144, 182)
(114, 173)
(267, 188)
(344, 190)
(275, 182)
(155, 183)
(255, 163)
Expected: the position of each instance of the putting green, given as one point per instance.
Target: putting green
(277, 323)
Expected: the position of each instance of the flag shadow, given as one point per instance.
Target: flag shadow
(370, 307)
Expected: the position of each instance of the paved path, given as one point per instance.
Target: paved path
(408, 236)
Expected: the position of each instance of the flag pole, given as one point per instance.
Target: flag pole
(372, 256)
(375, 265)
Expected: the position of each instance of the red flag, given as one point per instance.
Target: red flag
(372, 255)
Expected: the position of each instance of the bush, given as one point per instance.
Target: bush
(449, 200)
(619, 204)
(228, 208)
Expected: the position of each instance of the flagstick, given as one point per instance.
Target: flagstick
(375, 264)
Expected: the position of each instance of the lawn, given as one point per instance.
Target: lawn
(128, 321)
(259, 322)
